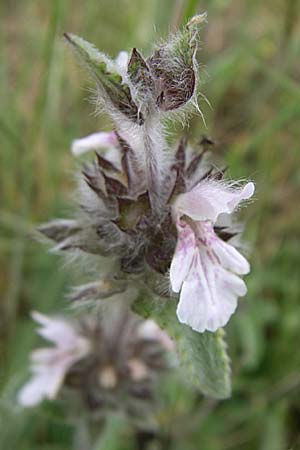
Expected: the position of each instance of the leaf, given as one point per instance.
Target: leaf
(202, 356)
(108, 80)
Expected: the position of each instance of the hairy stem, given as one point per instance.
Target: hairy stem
(154, 147)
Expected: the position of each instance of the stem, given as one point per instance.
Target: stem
(154, 146)
(290, 20)
(82, 436)
(151, 170)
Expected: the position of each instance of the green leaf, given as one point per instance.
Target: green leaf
(108, 80)
(202, 356)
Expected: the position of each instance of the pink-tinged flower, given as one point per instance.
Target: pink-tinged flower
(95, 141)
(50, 365)
(204, 268)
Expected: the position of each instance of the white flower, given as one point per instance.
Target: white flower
(50, 365)
(204, 268)
(95, 141)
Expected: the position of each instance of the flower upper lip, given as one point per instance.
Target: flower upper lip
(208, 199)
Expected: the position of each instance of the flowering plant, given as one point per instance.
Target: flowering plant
(152, 211)
(106, 362)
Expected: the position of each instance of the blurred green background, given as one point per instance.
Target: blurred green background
(250, 68)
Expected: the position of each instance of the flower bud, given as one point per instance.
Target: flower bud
(174, 69)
